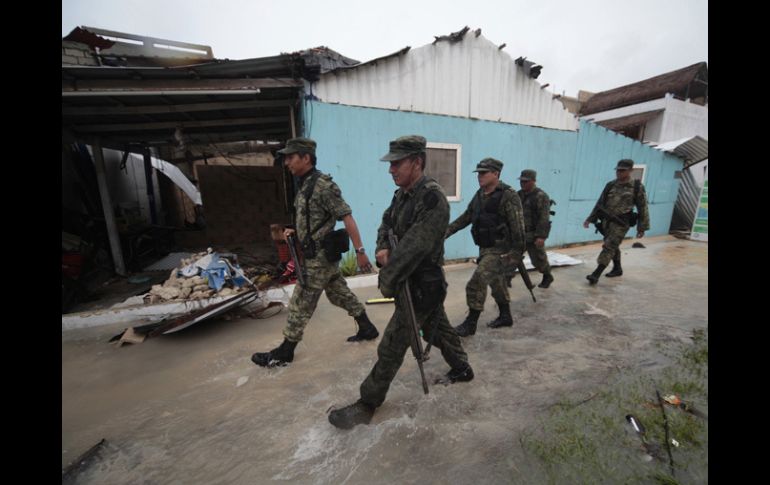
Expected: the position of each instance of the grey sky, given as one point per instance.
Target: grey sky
(592, 45)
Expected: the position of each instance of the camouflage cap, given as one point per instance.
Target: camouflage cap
(625, 164)
(528, 174)
(299, 145)
(404, 146)
(489, 164)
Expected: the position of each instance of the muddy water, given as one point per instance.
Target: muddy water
(192, 408)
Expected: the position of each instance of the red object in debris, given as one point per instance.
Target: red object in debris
(283, 251)
(71, 264)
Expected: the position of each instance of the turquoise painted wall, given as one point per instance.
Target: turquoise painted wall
(572, 166)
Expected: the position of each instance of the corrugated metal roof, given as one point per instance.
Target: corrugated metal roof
(692, 149)
(465, 76)
(689, 82)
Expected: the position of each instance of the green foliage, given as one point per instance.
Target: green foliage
(349, 264)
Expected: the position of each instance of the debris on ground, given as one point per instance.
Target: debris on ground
(204, 275)
(70, 472)
(638, 245)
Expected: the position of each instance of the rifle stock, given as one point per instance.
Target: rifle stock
(416, 342)
(299, 270)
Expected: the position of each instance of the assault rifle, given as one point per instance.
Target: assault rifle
(299, 270)
(416, 341)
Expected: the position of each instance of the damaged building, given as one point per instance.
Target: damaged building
(132, 104)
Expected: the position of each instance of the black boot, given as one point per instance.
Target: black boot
(505, 319)
(547, 280)
(366, 329)
(349, 416)
(617, 270)
(279, 356)
(594, 277)
(468, 327)
(463, 374)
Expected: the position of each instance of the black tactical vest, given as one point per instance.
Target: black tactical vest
(487, 223)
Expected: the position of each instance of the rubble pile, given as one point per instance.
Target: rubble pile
(203, 275)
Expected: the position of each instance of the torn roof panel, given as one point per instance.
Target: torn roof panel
(692, 149)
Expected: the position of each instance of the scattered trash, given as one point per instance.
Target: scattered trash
(675, 401)
(202, 275)
(241, 381)
(651, 450)
(638, 245)
(375, 301)
(129, 336)
(674, 442)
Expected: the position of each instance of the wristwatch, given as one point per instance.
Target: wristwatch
(360, 250)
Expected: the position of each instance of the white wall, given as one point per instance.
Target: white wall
(682, 119)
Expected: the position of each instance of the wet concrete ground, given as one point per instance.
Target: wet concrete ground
(172, 409)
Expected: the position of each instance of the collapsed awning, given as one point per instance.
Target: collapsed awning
(692, 149)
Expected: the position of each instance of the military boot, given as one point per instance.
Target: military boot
(617, 270)
(468, 327)
(349, 416)
(366, 329)
(463, 374)
(279, 356)
(547, 280)
(594, 277)
(504, 320)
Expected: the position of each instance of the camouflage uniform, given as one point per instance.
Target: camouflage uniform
(619, 202)
(326, 206)
(419, 218)
(492, 271)
(536, 205)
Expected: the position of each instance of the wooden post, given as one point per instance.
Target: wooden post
(109, 214)
(148, 180)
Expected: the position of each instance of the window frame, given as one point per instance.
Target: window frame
(644, 171)
(458, 165)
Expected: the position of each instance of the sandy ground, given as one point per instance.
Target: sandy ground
(191, 407)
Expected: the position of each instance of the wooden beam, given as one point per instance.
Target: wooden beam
(149, 86)
(120, 141)
(179, 108)
(163, 125)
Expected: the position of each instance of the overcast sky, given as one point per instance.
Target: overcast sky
(592, 45)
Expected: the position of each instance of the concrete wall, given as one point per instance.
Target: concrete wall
(76, 53)
(682, 119)
(572, 166)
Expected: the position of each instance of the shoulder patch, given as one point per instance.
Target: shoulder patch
(430, 199)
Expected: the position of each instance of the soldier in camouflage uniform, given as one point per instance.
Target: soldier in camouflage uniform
(537, 208)
(418, 216)
(318, 205)
(498, 228)
(614, 210)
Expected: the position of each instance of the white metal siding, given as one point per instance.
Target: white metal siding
(471, 78)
